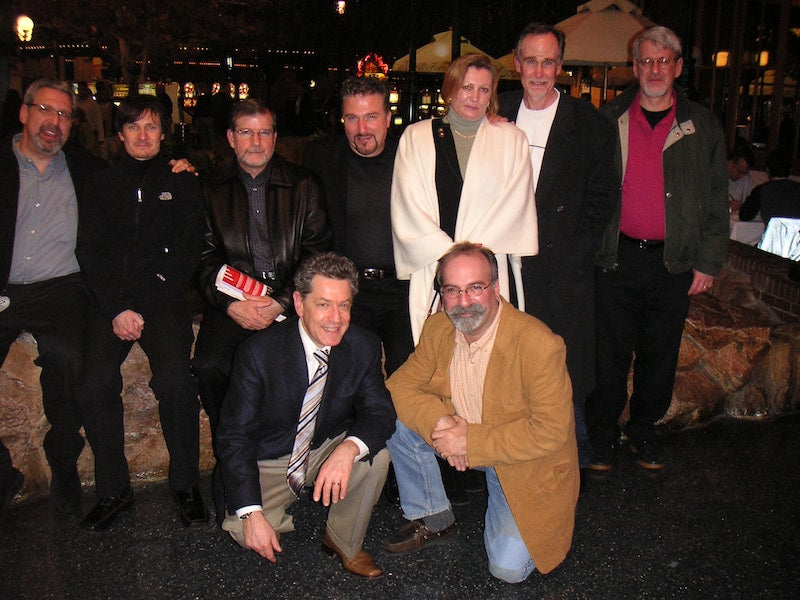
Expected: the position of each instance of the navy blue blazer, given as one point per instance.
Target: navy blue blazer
(259, 416)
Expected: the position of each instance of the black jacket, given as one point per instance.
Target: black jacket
(296, 219)
(327, 158)
(577, 192)
(81, 165)
(139, 235)
(267, 385)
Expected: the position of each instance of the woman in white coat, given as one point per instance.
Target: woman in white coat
(462, 178)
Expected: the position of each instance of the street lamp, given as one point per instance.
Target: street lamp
(24, 28)
(340, 6)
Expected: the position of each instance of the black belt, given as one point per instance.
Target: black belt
(373, 273)
(642, 244)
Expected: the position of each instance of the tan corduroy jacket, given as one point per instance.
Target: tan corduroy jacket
(527, 431)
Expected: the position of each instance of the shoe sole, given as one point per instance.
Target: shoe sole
(600, 467)
(650, 466)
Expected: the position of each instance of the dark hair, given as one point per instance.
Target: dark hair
(779, 163)
(454, 77)
(133, 107)
(739, 152)
(365, 86)
(541, 29)
(467, 248)
(325, 264)
(52, 84)
(251, 107)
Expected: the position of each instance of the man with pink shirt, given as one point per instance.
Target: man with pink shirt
(666, 243)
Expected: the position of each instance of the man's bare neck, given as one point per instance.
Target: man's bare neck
(541, 104)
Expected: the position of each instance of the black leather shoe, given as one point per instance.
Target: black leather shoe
(191, 508)
(8, 489)
(106, 510)
(648, 453)
(65, 491)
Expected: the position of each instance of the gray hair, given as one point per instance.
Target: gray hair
(52, 84)
(325, 264)
(661, 37)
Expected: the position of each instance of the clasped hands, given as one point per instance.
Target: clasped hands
(449, 438)
(254, 312)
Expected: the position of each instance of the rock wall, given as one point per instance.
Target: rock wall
(23, 424)
(737, 358)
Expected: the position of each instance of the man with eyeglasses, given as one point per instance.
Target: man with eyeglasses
(263, 216)
(356, 172)
(486, 388)
(576, 188)
(41, 291)
(139, 241)
(666, 243)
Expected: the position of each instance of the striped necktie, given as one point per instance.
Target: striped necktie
(298, 463)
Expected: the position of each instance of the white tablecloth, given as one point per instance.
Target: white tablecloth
(747, 232)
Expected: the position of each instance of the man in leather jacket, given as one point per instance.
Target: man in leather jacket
(263, 216)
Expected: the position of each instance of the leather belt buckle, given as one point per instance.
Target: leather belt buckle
(642, 244)
(373, 273)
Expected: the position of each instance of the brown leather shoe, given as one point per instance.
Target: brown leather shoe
(361, 564)
(414, 535)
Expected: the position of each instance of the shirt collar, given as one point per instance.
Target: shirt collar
(309, 347)
(26, 163)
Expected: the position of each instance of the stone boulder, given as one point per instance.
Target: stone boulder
(23, 425)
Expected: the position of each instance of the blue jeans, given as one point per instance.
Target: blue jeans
(422, 494)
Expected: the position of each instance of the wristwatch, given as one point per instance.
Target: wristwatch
(246, 515)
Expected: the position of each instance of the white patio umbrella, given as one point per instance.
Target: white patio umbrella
(600, 34)
(436, 56)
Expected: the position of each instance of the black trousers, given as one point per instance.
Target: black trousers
(213, 358)
(166, 339)
(381, 306)
(641, 310)
(54, 313)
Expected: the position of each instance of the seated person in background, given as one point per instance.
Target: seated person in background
(740, 184)
(779, 197)
(307, 405)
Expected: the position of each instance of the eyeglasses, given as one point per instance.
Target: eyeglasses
(661, 61)
(50, 111)
(246, 134)
(473, 291)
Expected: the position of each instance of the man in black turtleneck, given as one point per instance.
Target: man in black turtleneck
(139, 241)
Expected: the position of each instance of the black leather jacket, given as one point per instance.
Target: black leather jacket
(296, 219)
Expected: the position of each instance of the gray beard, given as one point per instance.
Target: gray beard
(467, 324)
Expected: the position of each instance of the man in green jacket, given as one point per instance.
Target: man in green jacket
(667, 242)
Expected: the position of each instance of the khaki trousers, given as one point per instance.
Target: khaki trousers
(347, 519)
